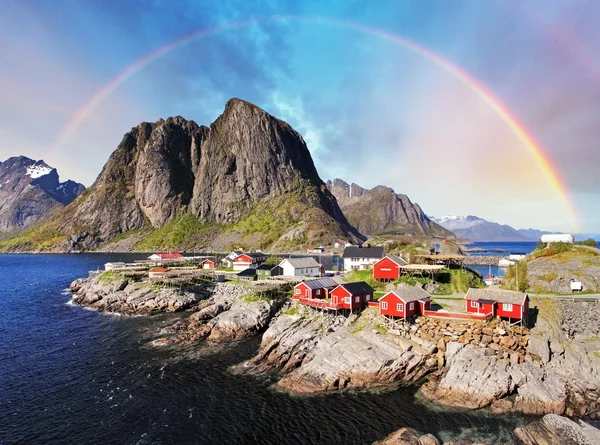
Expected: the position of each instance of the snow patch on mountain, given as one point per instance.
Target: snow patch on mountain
(37, 171)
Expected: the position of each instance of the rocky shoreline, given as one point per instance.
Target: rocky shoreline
(547, 369)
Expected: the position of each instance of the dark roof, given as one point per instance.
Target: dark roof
(493, 294)
(358, 287)
(267, 267)
(396, 259)
(409, 293)
(247, 273)
(255, 255)
(363, 252)
(320, 283)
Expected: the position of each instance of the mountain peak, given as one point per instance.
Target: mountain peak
(28, 190)
(381, 210)
(248, 176)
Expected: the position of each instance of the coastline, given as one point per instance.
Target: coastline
(497, 370)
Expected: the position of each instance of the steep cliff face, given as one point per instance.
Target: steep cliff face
(382, 211)
(249, 177)
(29, 190)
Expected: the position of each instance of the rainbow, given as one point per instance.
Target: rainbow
(534, 148)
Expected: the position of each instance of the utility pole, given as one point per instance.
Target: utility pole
(517, 274)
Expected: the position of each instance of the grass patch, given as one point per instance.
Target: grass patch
(182, 233)
(110, 276)
(292, 310)
(366, 276)
(548, 277)
(253, 297)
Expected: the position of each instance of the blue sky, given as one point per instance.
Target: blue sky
(371, 111)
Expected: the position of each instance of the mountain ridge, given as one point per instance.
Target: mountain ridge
(474, 228)
(248, 179)
(382, 211)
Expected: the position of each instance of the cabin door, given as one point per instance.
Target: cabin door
(334, 299)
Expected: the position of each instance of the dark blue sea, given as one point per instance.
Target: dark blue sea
(74, 376)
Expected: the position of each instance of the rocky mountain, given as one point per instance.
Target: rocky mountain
(29, 190)
(381, 211)
(477, 229)
(246, 180)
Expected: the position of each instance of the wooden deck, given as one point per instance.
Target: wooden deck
(320, 303)
(457, 315)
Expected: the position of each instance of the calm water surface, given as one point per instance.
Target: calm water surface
(70, 375)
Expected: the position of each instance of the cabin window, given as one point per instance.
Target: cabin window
(400, 307)
(411, 306)
(474, 304)
(385, 269)
(507, 307)
(297, 291)
(318, 291)
(347, 300)
(384, 305)
(357, 299)
(368, 297)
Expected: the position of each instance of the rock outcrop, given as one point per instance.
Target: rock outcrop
(248, 174)
(382, 211)
(333, 353)
(557, 430)
(556, 374)
(30, 190)
(408, 436)
(133, 298)
(554, 273)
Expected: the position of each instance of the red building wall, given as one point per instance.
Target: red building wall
(392, 306)
(306, 292)
(386, 269)
(339, 293)
(514, 313)
(483, 308)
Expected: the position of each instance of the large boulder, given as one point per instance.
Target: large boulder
(557, 430)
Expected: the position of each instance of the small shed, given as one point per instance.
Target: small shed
(208, 264)
(158, 272)
(247, 275)
(265, 271)
(388, 268)
(113, 265)
(352, 295)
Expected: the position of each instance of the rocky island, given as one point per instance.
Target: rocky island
(470, 364)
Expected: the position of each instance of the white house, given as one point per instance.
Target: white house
(361, 258)
(229, 259)
(115, 265)
(300, 267)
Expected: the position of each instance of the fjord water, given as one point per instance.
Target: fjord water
(71, 375)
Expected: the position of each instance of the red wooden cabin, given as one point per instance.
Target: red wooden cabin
(352, 295)
(405, 302)
(314, 289)
(388, 268)
(501, 303)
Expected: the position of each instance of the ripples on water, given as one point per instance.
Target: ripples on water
(70, 375)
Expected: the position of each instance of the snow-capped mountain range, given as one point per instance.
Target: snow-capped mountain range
(474, 228)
